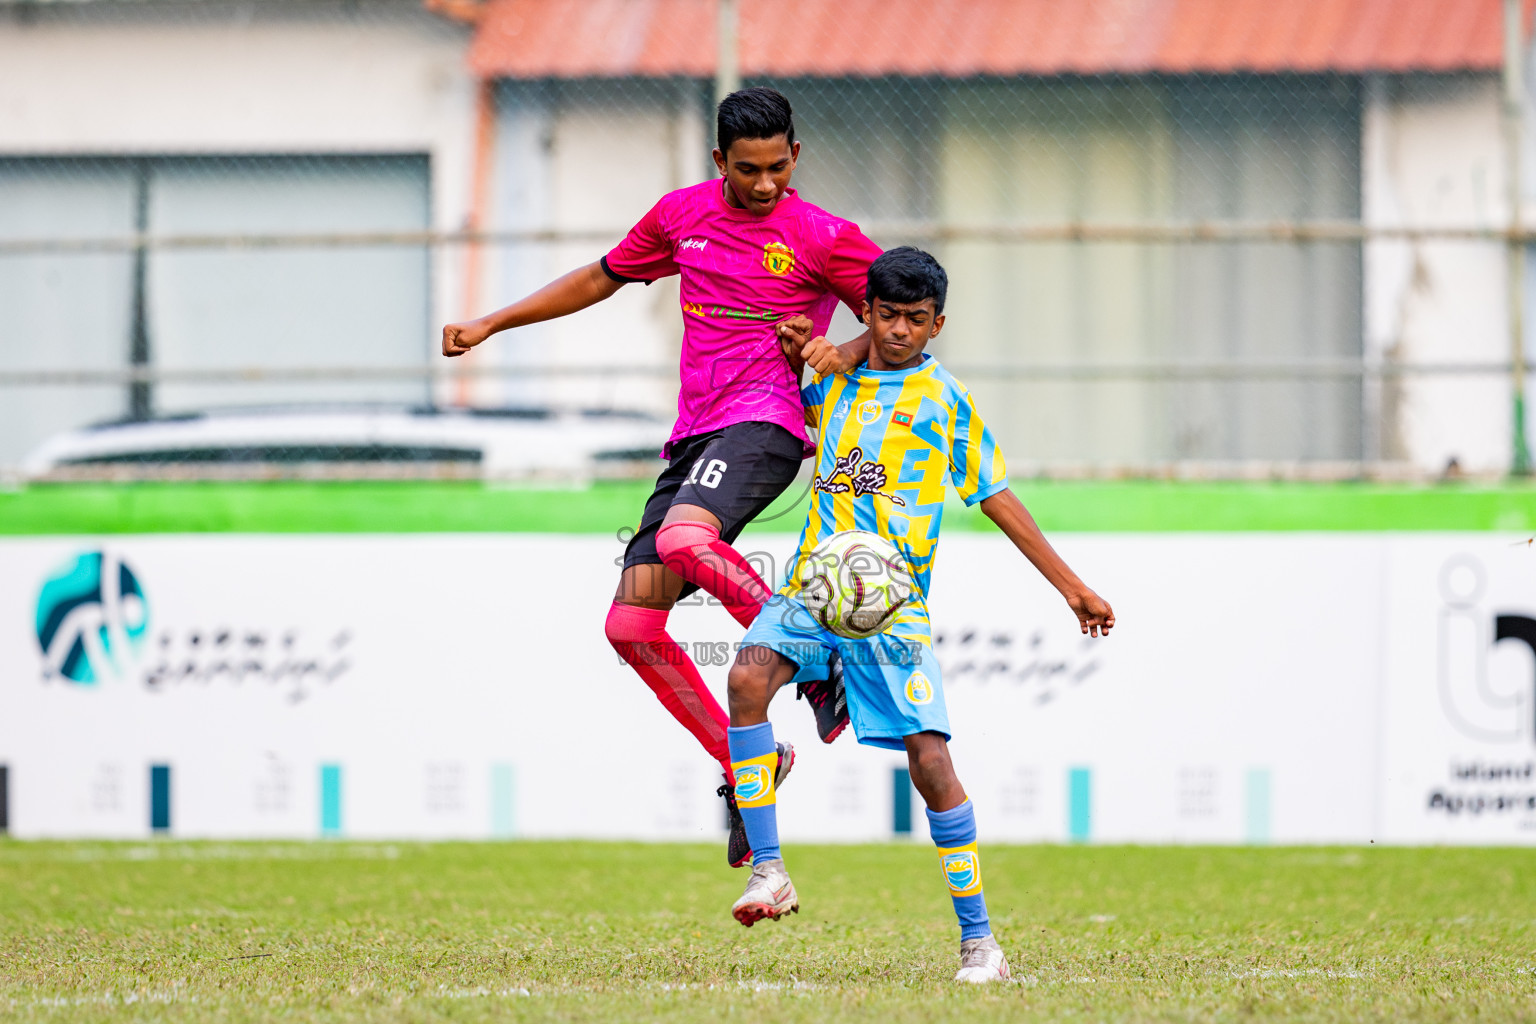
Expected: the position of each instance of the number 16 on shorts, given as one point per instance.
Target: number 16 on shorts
(713, 470)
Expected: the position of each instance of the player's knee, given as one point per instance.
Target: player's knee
(747, 687)
(630, 624)
(928, 759)
(677, 543)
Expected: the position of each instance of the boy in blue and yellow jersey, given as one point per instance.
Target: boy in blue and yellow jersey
(892, 431)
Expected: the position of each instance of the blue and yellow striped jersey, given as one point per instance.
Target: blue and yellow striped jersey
(887, 442)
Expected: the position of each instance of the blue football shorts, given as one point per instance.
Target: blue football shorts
(893, 683)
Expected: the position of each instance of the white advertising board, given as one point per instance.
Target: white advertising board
(1259, 688)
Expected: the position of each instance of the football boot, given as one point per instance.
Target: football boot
(828, 700)
(769, 893)
(982, 960)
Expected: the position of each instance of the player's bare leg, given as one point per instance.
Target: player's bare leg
(648, 586)
(954, 831)
(758, 674)
(933, 773)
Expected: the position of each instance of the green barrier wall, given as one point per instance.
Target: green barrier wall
(1099, 507)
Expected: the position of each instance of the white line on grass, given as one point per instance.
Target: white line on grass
(444, 992)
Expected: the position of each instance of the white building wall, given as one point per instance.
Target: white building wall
(212, 79)
(1432, 155)
(589, 157)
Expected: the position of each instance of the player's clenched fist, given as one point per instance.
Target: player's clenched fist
(803, 350)
(460, 338)
(794, 333)
(1094, 614)
(825, 358)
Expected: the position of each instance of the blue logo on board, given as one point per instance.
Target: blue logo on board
(92, 618)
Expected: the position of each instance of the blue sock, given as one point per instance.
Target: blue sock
(754, 760)
(954, 833)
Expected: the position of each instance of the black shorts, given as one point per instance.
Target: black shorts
(735, 472)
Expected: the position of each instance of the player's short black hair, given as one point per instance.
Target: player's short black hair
(755, 113)
(907, 274)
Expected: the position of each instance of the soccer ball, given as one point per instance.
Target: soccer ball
(855, 582)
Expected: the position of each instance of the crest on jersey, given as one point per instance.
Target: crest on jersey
(778, 258)
(870, 411)
(962, 872)
(752, 783)
(919, 689)
(864, 477)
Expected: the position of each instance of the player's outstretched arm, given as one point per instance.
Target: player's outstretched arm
(1094, 614)
(579, 289)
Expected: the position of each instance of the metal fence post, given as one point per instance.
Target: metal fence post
(727, 52)
(1514, 112)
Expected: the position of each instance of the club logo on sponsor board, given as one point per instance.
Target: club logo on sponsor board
(961, 870)
(752, 783)
(92, 618)
(919, 689)
(92, 623)
(778, 258)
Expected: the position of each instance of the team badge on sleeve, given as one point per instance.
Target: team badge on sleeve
(962, 870)
(778, 258)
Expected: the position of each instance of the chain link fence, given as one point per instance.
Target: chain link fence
(230, 233)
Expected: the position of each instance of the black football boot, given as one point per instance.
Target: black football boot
(828, 700)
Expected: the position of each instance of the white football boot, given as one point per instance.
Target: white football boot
(769, 893)
(982, 960)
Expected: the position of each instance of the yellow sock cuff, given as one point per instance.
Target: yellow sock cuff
(962, 869)
(754, 780)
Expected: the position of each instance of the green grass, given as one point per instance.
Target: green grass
(621, 932)
(1060, 506)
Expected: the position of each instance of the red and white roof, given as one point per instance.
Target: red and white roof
(963, 38)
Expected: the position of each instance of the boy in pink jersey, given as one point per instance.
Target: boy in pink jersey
(751, 255)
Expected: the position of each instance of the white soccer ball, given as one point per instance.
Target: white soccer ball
(855, 582)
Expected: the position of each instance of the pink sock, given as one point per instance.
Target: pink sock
(640, 637)
(696, 553)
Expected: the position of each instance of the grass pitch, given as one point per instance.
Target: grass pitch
(588, 931)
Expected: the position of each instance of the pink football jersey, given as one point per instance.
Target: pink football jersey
(741, 274)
